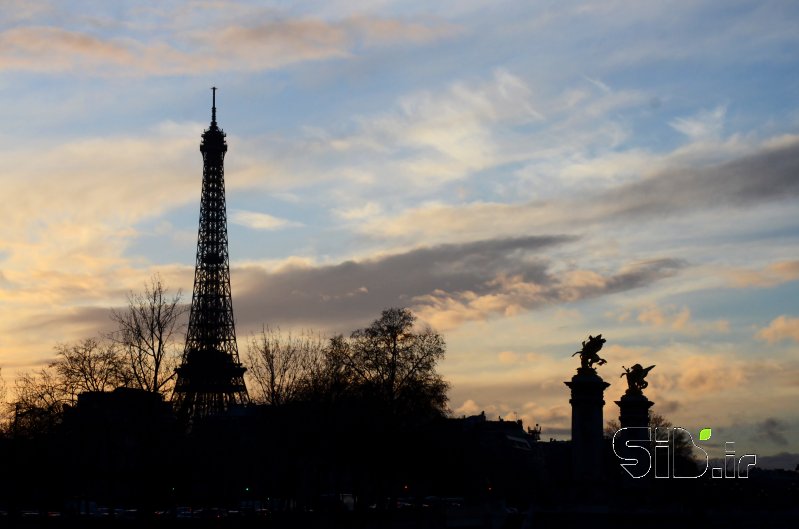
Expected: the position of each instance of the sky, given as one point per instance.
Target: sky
(520, 174)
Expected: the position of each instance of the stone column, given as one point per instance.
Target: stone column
(634, 410)
(634, 413)
(587, 400)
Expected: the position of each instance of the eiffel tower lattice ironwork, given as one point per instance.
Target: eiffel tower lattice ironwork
(210, 379)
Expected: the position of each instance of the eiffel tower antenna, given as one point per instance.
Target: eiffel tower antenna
(210, 379)
(213, 105)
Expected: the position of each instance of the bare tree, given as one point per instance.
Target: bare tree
(331, 378)
(284, 367)
(39, 404)
(88, 365)
(5, 408)
(147, 335)
(389, 362)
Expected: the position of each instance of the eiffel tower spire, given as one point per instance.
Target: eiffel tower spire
(210, 379)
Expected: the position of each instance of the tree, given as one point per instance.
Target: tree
(41, 396)
(40, 402)
(331, 379)
(147, 335)
(389, 363)
(285, 368)
(396, 363)
(88, 365)
(4, 406)
(683, 448)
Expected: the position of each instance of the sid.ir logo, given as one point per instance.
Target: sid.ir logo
(632, 445)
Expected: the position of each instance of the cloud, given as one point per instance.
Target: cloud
(425, 141)
(771, 174)
(376, 31)
(260, 221)
(706, 124)
(446, 285)
(367, 210)
(48, 49)
(781, 328)
(513, 294)
(45, 49)
(772, 430)
(80, 204)
(21, 10)
(74, 321)
(262, 44)
(772, 275)
(599, 84)
(553, 416)
(65, 295)
(783, 460)
(508, 357)
(768, 174)
(468, 408)
(273, 43)
(694, 375)
(703, 375)
(436, 137)
(77, 203)
(677, 319)
(353, 292)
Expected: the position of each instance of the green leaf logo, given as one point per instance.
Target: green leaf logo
(704, 434)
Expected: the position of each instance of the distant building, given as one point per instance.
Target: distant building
(117, 445)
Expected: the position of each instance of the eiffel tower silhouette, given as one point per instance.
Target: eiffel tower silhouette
(210, 379)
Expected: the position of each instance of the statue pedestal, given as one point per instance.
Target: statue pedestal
(587, 400)
(634, 409)
(634, 413)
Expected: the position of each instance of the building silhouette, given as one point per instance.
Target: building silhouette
(210, 379)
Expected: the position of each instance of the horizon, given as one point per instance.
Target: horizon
(518, 176)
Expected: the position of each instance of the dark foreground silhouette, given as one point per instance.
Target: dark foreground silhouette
(122, 459)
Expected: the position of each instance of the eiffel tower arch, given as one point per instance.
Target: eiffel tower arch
(210, 378)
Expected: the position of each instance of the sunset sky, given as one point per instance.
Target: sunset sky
(520, 174)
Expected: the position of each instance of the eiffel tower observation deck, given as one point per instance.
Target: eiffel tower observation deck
(210, 379)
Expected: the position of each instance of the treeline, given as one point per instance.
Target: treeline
(142, 352)
(359, 414)
(392, 363)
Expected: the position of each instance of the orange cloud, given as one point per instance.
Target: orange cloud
(510, 295)
(704, 374)
(508, 357)
(48, 49)
(780, 328)
(263, 45)
(375, 31)
(772, 275)
(676, 320)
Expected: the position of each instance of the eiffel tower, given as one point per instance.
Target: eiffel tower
(210, 379)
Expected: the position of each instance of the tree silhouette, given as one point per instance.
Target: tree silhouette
(682, 452)
(90, 364)
(146, 334)
(332, 379)
(396, 363)
(285, 367)
(39, 403)
(390, 363)
(5, 408)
